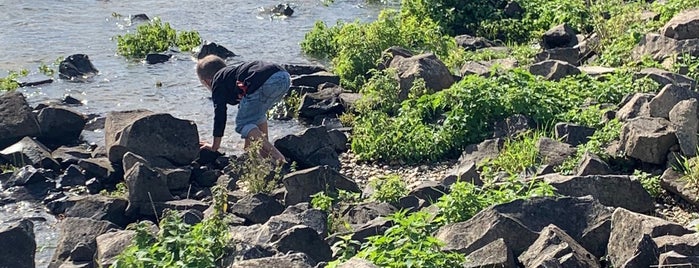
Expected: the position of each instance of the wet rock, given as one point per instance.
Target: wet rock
(554, 246)
(300, 69)
(214, 49)
(339, 140)
(282, 10)
(315, 79)
(111, 244)
(672, 182)
(20, 244)
(637, 106)
(76, 67)
(660, 47)
(97, 207)
(472, 43)
(296, 260)
(494, 254)
(257, 208)
(33, 80)
(16, 119)
(141, 17)
(484, 68)
(591, 164)
(559, 36)
(610, 190)
(29, 152)
(145, 186)
(310, 148)
(326, 102)
(631, 240)
(648, 139)
(553, 69)
(426, 66)
(72, 176)
(553, 152)
(300, 185)
(75, 232)
(573, 134)
(304, 239)
(155, 58)
(665, 78)
(519, 222)
(684, 119)
(95, 123)
(154, 135)
(684, 25)
(60, 126)
(28, 175)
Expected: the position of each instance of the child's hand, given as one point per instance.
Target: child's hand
(206, 146)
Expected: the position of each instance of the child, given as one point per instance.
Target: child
(256, 86)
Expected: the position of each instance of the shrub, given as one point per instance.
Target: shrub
(388, 188)
(155, 37)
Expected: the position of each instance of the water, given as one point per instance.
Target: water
(38, 31)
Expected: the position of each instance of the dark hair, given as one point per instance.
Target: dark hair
(208, 66)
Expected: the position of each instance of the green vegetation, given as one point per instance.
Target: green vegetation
(689, 167)
(178, 244)
(9, 82)
(155, 37)
(258, 172)
(388, 188)
(597, 144)
(651, 183)
(119, 191)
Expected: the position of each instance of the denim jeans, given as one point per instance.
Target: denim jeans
(253, 108)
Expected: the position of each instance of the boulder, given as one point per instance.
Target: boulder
(426, 66)
(97, 207)
(214, 49)
(512, 126)
(684, 119)
(472, 43)
(326, 102)
(591, 164)
(664, 78)
(570, 55)
(637, 106)
(553, 69)
(29, 152)
(100, 168)
(299, 69)
(28, 175)
(16, 119)
(70, 155)
(648, 139)
(660, 47)
(360, 214)
(674, 259)
(299, 214)
(20, 244)
(111, 244)
(631, 240)
(684, 25)
(115, 122)
(146, 186)
(463, 171)
(155, 135)
(78, 234)
(296, 260)
(304, 239)
(76, 67)
(484, 68)
(315, 79)
(72, 176)
(673, 182)
(556, 248)
(477, 153)
(687, 244)
(300, 185)
(355, 262)
(610, 190)
(553, 152)
(155, 58)
(573, 134)
(429, 191)
(257, 208)
(494, 254)
(339, 140)
(559, 36)
(310, 148)
(518, 223)
(60, 126)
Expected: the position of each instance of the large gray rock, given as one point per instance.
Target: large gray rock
(519, 222)
(28, 175)
(472, 43)
(484, 68)
(553, 152)
(115, 122)
(664, 78)
(154, 135)
(684, 118)
(673, 182)
(146, 186)
(674, 259)
(559, 36)
(16, 119)
(573, 134)
(463, 171)
(97, 207)
(684, 25)
(495, 254)
(426, 66)
(300, 214)
(556, 248)
(76, 67)
(304, 239)
(60, 126)
(300, 185)
(355, 262)
(360, 214)
(631, 240)
(111, 244)
(295, 260)
(591, 164)
(315, 79)
(570, 55)
(637, 106)
(660, 47)
(609, 190)
(20, 245)
(687, 244)
(553, 69)
(477, 153)
(257, 208)
(100, 168)
(648, 139)
(29, 152)
(311, 148)
(78, 235)
(326, 102)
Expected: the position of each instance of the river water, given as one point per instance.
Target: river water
(40, 31)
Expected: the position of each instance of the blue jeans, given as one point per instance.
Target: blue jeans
(253, 108)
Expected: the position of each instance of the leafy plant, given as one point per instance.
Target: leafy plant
(598, 142)
(120, 191)
(649, 182)
(389, 188)
(689, 167)
(517, 155)
(9, 82)
(155, 37)
(258, 172)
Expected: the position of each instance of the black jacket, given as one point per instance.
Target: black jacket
(233, 81)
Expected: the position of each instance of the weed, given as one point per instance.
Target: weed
(597, 144)
(649, 182)
(389, 188)
(258, 172)
(689, 167)
(517, 155)
(120, 191)
(9, 82)
(155, 37)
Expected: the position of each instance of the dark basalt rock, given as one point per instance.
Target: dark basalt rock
(155, 58)
(76, 67)
(214, 49)
(282, 10)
